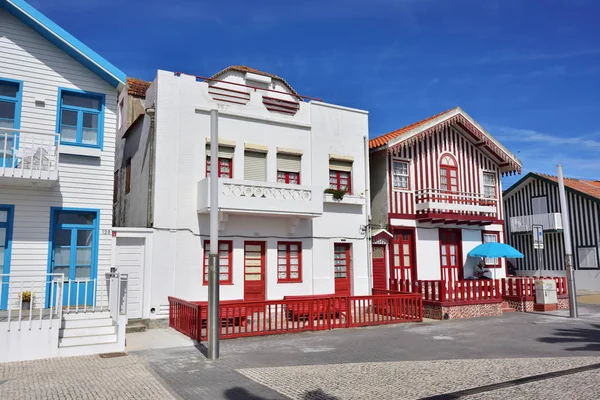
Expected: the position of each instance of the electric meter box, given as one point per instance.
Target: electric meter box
(545, 291)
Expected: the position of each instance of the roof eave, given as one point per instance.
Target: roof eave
(66, 42)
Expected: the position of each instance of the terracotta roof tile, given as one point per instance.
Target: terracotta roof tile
(137, 87)
(589, 187)
(383, 139)
(243, 68)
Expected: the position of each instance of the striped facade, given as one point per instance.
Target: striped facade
(425, 159)
(584, 218)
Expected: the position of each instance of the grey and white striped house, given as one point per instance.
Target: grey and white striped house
(534, 200)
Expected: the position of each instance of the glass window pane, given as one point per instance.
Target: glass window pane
(66, 217)
(7, 112)
(84, 256)
(83, 272)
(397, 261)
(62, 237)
(293, 247)
(223, 277)
(68, 133)
(407, 261)
(90, 120)
(89, 136)
(69, 118)
(1, 257)
(452, 260)
(62, 270)
(2, 237)
(281, 275)
(294, 275)
(84, 238)
(9, 89)
(3, 215)
(62, 255)
(84, 101)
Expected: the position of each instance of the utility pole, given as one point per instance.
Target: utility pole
(213, 256)
(568, 249)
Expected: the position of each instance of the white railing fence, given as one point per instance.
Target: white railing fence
(85, 295)
(525, 223)
(28, 300)
(28, 154)
(444, 196)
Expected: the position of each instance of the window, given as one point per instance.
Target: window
(120, 116)
(288, 168)
(340, 175)
(588, 257)
(489, 185)
(128, 175)
(116, 187)
(225, 169)
(487, 238)
(400, 175)
(80, 118)
(448, 174)
(225, 253)
(255, 166)
(10, 113)
(539, 205)
(225, 161)
(289, 262)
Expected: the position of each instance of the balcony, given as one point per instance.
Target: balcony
(525, 223)
(267, 198)
(28, 158)
(434, 205)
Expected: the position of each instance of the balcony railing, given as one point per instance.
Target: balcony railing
(525, 223)
(29, 155)
(441, 201)
(262, 198)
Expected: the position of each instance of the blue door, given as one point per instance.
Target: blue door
(6, 222)
(10, 112)
(74, 253)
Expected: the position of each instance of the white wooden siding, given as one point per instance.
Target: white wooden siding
(83, 182)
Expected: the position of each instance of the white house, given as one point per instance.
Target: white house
(58, 120)
(279, 233)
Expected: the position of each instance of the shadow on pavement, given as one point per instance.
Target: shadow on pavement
(239, 393)
(587, 338)
(202, 348)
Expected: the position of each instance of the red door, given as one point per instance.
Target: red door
(379, 267)
(254, 271)
(403, 264)
(450, 255)
(342, 269)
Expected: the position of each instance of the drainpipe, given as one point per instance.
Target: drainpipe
(368, 213)
(151, 111)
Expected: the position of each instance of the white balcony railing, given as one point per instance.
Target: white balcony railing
(262, 198)
(441, 201)
(525, 223)
(28, 155)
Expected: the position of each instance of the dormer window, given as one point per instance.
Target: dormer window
(448, 174)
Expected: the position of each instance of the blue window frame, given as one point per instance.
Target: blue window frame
(6, 228)
(10, 117)
(80, 119)
(73, 251)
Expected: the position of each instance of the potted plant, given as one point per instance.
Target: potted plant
(26, 299)
(337, 194)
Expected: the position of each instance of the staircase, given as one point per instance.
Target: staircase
(506, 308)
(87, 333)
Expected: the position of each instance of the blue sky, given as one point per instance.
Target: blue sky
(527, 70)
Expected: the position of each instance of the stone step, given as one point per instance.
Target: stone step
(135, 327)
(87, 340)
(87, 331)
(86, 323)
(508, 310)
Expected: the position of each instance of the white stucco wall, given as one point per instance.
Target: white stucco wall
(428, 254)
(317, 130)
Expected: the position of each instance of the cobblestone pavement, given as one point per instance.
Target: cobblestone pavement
(88, 377)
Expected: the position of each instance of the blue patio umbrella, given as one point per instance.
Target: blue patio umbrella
(495, 250)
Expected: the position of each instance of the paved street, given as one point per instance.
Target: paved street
(535, 355)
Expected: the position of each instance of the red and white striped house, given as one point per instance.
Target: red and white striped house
(435, 187)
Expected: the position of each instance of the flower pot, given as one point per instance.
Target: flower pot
(25, 305)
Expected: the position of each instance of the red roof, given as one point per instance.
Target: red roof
(591, 188)
(243, 68)
(384, 139)
(137, 87)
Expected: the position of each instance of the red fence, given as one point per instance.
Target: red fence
(477, 291)
(257, 318)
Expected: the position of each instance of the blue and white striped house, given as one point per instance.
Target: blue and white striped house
(534, 200)
(58, 122)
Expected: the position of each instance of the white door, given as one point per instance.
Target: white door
(130, 260)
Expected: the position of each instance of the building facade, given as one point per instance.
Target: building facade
(534, 200)
(280, 234)
(435, 188)
(58, 122)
